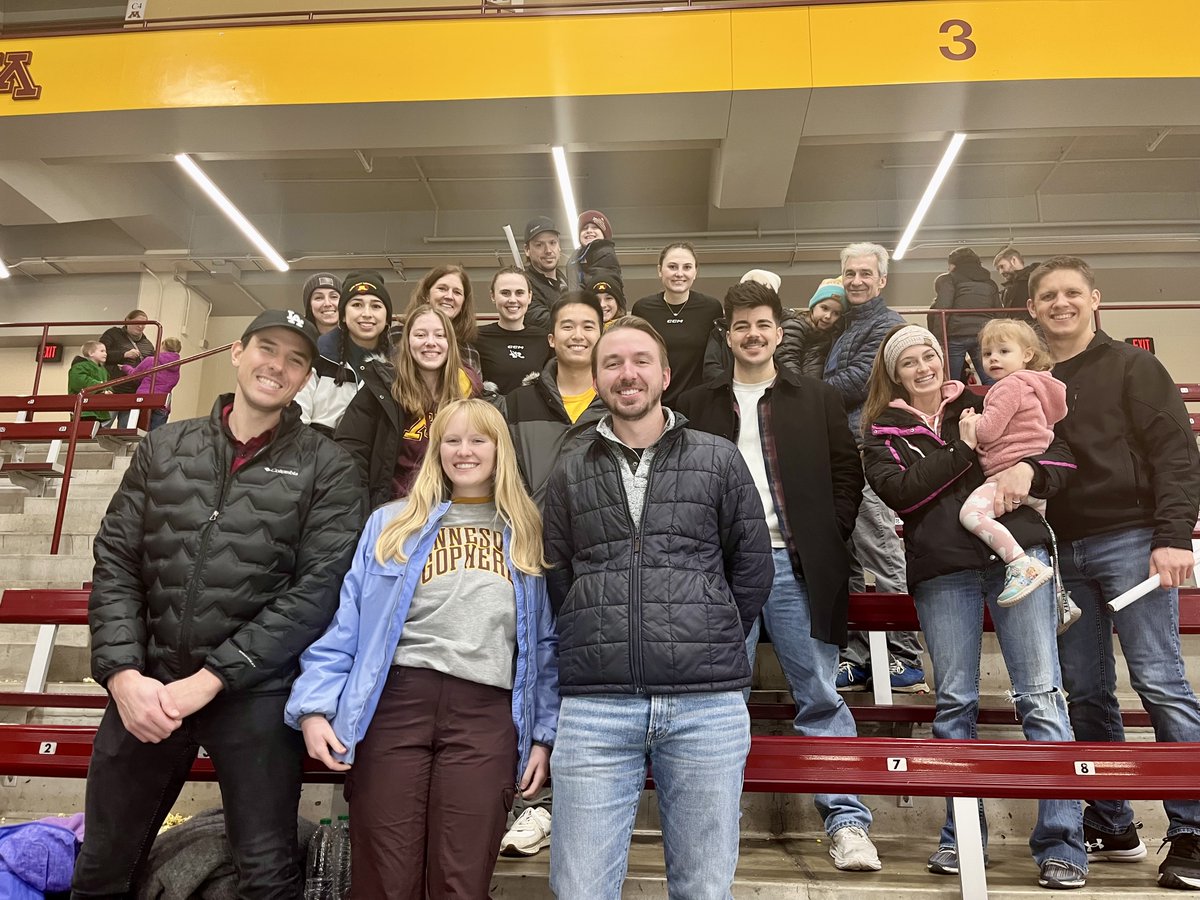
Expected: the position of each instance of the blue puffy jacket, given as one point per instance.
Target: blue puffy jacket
(848, 366)
(343, 673)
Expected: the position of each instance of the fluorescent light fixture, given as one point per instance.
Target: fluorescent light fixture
(4, 273)
(231, 212)
(568, 195)
(939, 175)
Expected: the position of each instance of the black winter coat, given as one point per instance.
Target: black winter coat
(197, 568)
(545, 294)
(370, 430)
(599, 258)
(820, 481)
(117, 341)
(661, 606)
(925, 478)
(967, 287)
(1138, 463)
(718, 358)
(540, 427)
(814, 343)
(1014, 295)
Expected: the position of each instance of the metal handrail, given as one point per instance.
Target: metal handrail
(476, 10)
(45, 326)
(68, 466)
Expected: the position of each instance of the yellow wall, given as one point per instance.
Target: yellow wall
(750, 49)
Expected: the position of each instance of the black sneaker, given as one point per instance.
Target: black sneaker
(1126, 847)
(1181, 868)
(1061, 876)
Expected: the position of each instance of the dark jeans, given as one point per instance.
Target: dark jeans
(432, 783)
(959, 349)
(131, 787)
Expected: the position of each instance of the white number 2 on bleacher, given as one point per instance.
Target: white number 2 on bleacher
(897, 764)
(47, 748)
(1085, 768)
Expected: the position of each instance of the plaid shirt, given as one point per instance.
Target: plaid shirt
(243, 452)
(766, 436)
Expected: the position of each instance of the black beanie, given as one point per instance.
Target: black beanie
(364, 282)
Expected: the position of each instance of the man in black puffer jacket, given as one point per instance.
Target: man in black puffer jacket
(219, 560)
(660, 562)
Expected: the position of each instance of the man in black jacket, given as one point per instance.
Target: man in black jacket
(219, 560)
(542, 252)
(1014, 291)
(660, 562)
(966, 285)
(1127, 514)
(773, 414)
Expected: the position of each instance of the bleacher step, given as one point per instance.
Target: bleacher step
(61, 570)
(800, 869)
(34, 542)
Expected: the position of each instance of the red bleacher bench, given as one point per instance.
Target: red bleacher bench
(65, 403)
(83, 429)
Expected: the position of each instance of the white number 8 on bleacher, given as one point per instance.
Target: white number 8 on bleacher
(1085, 768)
(47, 748)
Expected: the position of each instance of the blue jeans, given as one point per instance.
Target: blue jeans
(697, 746)
(950, 608)
(811, 669)
(876, 547)
(1097, 569)
(959, 349)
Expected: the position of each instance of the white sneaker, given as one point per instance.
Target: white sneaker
(529, 834)
(852, 850)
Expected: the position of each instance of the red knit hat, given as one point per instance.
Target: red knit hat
(597, 218)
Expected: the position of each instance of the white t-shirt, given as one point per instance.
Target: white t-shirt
(750, 444)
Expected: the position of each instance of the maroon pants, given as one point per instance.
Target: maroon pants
(429, 793)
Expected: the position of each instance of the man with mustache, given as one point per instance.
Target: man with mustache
(771, 412)
(659, 564)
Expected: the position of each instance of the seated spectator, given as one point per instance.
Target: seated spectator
(88, 369)
(683, 317)
(610, 290)
(920, 457)
(160, 382)
(386, 426)
(820, 325)
(596, 256)
(967, 285)
(510, 350)
(438, 676)
(448, 288)
(361, 337)
(126, 345)
(322, 293)
(718, 358)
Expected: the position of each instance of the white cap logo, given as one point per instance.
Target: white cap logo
(295, 319)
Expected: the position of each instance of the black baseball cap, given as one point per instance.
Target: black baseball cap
(284, 318)
(537, 225)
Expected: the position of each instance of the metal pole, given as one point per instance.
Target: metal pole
(65, 487)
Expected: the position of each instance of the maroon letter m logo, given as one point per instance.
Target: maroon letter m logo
(14, 75)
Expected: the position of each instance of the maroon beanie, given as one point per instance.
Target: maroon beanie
(599, 219)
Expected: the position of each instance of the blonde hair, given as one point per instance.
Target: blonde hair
(432, 487)
(89, 347)
(1021, 334)
(172, 345)
(408, 387)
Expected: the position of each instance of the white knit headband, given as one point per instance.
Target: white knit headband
(908, 336)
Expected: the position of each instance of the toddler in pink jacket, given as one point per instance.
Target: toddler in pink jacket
(1017, 422)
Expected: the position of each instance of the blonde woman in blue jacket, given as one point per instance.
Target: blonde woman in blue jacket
(438, 677)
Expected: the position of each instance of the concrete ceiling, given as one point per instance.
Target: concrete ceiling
(778, 179)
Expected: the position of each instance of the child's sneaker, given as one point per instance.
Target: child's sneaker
(1068, 612)
(1022, 577)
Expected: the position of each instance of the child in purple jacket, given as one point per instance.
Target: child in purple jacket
(164, 381)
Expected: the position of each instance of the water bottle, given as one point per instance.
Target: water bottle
(318, 883)
(341, 858)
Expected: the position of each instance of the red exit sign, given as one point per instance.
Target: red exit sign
(50, 353)
(1142, 343)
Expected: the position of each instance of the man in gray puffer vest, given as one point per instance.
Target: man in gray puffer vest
(218, 562)
(660, 562)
